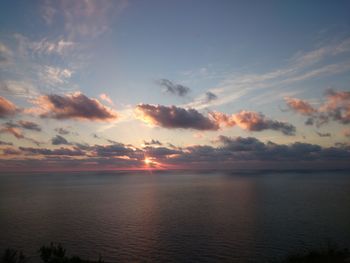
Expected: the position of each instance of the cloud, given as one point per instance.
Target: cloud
(72, 106)
(48, 152)
(152, 142)
(18, 88)
(300, 106)
(173, 88)
(5, 54)
(59, 140)
(5, 143)
(12, 130)
(173, 117)
(251, 150)
(252, 121)
(10, 151)
(301, 67)
(47, 47)
(210, 96)
(346, 133)
(324, 134)
(16, 130)
(55, 75)
(106, 98)
(116, 149)
(7, 108)
(336, 107)
(29, 125)
(62, 131)
(230, 152)
(82, 18)
(159, 152)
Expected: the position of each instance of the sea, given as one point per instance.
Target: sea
(175, 216)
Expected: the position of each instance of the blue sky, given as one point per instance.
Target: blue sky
(253, 56)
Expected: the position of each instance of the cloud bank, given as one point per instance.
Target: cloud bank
(230, 152)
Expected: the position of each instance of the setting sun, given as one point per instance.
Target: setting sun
(147, 161)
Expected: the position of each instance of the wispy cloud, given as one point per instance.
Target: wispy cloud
(55, 75)
(301, 67)
(18, 88)
(5, 54)
(82, 18)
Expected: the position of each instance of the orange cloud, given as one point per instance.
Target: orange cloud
(336, 107)
(252, 121)
(106, 98)
(7, 108)
(300, 106)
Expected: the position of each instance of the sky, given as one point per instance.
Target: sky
(127, 84)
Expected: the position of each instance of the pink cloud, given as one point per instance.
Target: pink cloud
(7, 108)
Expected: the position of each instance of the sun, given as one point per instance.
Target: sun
(147, 161)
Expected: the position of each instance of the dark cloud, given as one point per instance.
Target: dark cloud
(152, 142)
(7, 108)
(252, 121)
(11, 151)
(5, 143)
(48, 152)
(173, 88)
(239, 144)
(173, 117)
(59, 140)
(210, 96)
(29, 125)
(62, 131)
(238, 152)
(116, 149)
(159, 152)
(324, 134)
(252, 151)
(73, 106)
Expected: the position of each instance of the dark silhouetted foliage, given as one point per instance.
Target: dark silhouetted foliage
(13, 256)
(54, 253)
(331, 254)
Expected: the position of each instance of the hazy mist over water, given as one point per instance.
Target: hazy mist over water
(175, 216)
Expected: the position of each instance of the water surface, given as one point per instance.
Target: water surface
(177, 216)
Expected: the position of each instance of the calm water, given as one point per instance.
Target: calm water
(175, 217)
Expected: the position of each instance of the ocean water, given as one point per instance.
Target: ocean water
(175, 216)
